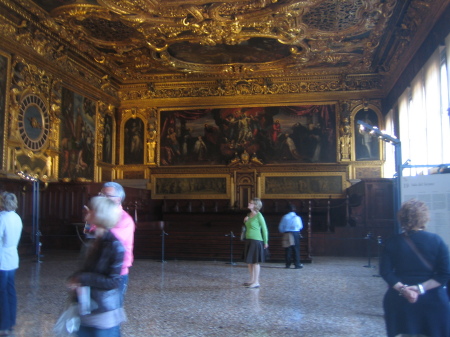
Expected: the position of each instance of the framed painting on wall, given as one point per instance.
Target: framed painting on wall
(188, 186)
(107, 139)
(302, 185)
(280, 134)
(77, 136)
(134, 141)
(367, 145)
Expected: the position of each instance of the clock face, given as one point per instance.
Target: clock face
(33, 122)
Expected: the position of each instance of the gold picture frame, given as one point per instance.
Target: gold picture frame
(305, 185)
(190, 186)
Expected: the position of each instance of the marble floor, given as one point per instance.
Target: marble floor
(331, 297)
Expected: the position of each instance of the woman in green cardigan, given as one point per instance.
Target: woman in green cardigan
(256, 241)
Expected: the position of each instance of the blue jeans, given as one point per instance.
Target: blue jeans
(123, 287)
(8, 299)
(87, 331)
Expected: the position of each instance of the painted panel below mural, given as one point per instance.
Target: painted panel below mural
(189, 187)
(283, 134)
(303, 185)
(77, 137)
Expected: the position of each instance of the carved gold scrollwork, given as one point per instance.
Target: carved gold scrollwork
(318, 32)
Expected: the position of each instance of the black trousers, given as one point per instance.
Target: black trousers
(292, 253)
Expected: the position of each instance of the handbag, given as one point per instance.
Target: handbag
(243, 230)
(287, 240)
(69, 321)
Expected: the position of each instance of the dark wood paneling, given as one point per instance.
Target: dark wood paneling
(61, 210)
(372, 207)
(197, 229)
(205, 236)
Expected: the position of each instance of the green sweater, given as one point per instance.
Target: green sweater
(256, 228)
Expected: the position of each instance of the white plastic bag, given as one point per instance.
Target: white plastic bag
(84, 300)
(68, 322)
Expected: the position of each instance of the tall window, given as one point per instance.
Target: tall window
(423, 113)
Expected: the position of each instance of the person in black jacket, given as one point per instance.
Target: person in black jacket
(101, 273)
(416, 266)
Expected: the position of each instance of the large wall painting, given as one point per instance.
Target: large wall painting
(77, 137)
(302, 185)
(3, 87)
(134, 141)
(283, 134)
(184, 186)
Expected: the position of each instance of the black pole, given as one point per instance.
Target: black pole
(163, 234)
(369, 252)
(231, 235)
(36, 231)
(397, 185)
(35, 221)
(379, 243)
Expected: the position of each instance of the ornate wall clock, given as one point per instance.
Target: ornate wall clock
(33, 122)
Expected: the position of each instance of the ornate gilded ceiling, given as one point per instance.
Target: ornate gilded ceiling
(138, 40)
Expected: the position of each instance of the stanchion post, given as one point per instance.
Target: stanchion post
(347, 211)
(379, 244)
(163, 234)
(329, 214)
(369, 252)
(231, 235)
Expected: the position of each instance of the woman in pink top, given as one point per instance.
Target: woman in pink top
(123, 230)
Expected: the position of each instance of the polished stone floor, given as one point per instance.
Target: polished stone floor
(331, 297)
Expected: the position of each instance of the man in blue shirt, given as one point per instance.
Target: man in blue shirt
(291, 225)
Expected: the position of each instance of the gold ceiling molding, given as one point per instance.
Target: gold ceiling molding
(230, 39)
(45, 50)
(412, 22)
(178, 40)
(261, 86)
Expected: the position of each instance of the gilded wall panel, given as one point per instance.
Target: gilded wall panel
(5, 63)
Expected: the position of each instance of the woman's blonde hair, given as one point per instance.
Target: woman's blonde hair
(258, 204)
(106, 213)
(413, 215)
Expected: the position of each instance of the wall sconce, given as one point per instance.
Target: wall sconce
(380, 134)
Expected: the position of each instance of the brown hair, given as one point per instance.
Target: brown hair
(413, 215)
